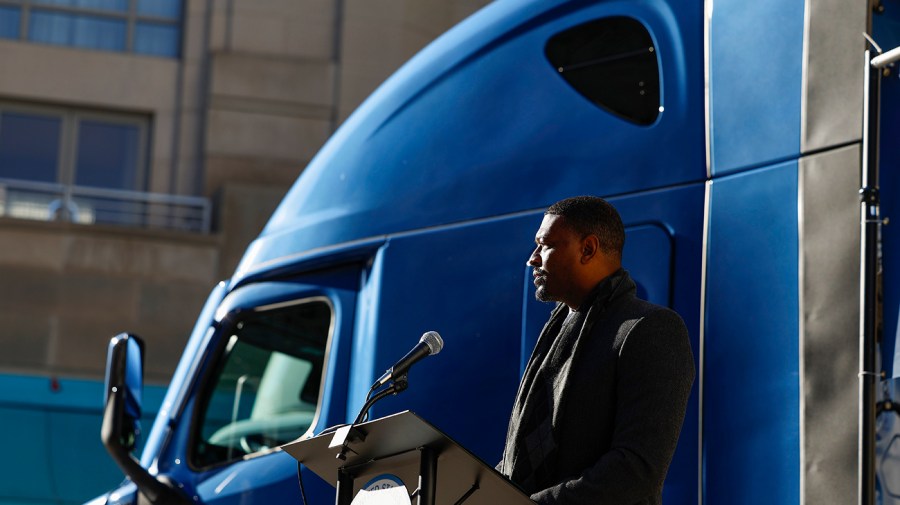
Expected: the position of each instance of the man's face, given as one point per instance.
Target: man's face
(556, 260)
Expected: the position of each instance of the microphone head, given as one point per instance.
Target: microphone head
(433, 340)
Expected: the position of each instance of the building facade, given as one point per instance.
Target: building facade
(143, 145)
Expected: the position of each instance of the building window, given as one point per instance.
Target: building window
(73, 147)
(150, 27)
(90, 167)
(46, 153)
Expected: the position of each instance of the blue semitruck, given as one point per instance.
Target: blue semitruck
(738, 187)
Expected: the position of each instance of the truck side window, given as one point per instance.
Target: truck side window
(265, 389)
(612, 62)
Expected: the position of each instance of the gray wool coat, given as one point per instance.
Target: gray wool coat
(622, 404)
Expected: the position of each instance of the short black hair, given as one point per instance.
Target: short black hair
(592, 215)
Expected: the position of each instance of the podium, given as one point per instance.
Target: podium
(404, 450)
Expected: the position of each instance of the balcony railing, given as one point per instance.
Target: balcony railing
(57, 202)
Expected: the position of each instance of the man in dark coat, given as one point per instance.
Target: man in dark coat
(600, 407)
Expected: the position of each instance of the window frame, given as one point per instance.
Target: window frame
(131, 17)
(70, 122)
(209, 376)
(560, 54)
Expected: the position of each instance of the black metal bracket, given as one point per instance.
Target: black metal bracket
(869, 195)
(887, 406)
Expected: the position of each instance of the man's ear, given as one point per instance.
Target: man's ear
(590, 247)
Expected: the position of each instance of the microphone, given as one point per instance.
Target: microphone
(430, 343)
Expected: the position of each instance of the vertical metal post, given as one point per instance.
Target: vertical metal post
(427, 476)
(870, 221)
(344, 493)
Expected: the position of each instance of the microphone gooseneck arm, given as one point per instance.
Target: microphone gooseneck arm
(398, 385)
(396, 380)
(429, 344)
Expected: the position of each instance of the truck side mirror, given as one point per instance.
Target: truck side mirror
(123, 385)
(122, 414)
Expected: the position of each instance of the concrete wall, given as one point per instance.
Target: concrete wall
(66, 289)
(260, 87)
(93, 80)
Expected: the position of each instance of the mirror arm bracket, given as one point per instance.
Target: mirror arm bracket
(114, 430)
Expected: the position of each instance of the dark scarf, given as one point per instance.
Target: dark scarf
(530, 453)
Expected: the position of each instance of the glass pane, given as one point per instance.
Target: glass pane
(29, 146)
(107, 155)
(77, 31)
(157, 39)
(9, 22)
(107, 5)
(170, 9)
(612, 62)
(266, 391)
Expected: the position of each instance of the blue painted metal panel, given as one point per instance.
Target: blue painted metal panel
(24, 434)
(751, 393)
(887, 448)
(480, 112)
(886, 29)
(78, 463)
(465, 282)
(362, 368)
(755, 74)
(53, 425)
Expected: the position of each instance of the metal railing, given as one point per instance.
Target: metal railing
(78, 204)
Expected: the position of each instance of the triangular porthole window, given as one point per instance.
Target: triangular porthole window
(612, 62)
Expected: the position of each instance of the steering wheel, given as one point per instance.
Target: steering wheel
(253, 443)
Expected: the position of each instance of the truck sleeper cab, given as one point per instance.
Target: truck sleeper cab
(390, 237)
(420, 212)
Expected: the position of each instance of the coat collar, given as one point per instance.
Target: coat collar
(609, 290)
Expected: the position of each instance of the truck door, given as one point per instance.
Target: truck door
(276, 368)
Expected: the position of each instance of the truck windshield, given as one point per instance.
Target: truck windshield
(264, 391)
